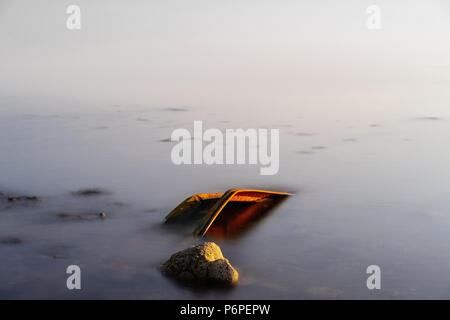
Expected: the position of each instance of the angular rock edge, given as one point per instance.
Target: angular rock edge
(201, 263)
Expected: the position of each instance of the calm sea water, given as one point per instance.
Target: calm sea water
(369, 189)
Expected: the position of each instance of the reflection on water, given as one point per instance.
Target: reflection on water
(224, 215)
(237, 218)
(377, 200)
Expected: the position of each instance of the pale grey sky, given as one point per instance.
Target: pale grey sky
(211, 53)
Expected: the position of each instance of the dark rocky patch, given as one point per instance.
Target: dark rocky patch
(23, 198)
(10, 240)
(170, 140)
(152, 210)
(118, 204)
(57, 252)
(174, 109)
(55, 256)
(90, 192)
(430, 118)
(18, 199)
(304, 134)
(84, 216)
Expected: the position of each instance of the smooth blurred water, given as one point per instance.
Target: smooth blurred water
(370, 189)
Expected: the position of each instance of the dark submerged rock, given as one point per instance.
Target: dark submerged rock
(90, 192)
(10, 240)
(83, 216)
(18, 199)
